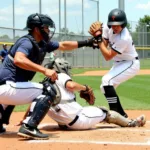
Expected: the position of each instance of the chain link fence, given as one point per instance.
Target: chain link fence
(87, 57)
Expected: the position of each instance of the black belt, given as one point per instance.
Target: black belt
(74, 120)
(137, 58)
(64, 127)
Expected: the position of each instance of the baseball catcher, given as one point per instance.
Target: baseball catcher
(69, 114)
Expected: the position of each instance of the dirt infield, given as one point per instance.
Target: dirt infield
(103, 136)
(102, 72)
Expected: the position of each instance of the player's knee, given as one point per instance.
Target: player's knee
(102, 89)
(105, 80)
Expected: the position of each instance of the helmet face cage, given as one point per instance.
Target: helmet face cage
(46, 21)
(60, 65)
(39, 20)
(117, 17)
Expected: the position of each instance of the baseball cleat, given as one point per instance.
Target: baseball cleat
(31, 133)
(2, 129)
(140, 121)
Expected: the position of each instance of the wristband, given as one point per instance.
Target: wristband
(82, 43)
(98, 38)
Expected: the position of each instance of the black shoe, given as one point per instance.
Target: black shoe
(31, 133)
(2, 129)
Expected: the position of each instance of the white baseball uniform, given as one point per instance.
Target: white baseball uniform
(19, 93)
(126, 62)
(70, 113)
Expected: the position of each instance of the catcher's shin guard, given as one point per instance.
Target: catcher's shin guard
(113, 100)
(116, 118)
(42, 105)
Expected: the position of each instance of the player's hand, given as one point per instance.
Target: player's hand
(51, 74)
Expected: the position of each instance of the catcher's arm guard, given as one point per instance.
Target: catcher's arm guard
(88, 95)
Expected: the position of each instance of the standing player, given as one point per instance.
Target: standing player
(19, 67)
(122, 51)
(3, 52)
(71, 115)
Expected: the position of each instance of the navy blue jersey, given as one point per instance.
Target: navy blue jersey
(9, 71)
(3, 53)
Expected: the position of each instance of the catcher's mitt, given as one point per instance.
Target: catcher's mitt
(94, 28)
(88, 95)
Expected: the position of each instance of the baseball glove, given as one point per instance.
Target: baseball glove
(94, 28)
(88, 95)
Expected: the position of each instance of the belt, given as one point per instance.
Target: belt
(70, 124)
(137, 58)
(74, 120)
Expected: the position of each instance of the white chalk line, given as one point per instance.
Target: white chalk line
(100, 142)
(91, 142)
(46, 124)
(107, 128)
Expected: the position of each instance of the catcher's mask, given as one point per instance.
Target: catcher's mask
(40, 20)
(117, 17)
(60, 65)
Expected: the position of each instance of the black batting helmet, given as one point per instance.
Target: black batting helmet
(117, 17)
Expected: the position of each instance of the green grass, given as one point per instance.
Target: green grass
(134, 94)
(145, 63)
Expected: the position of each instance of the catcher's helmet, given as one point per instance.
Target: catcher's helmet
(40, 20)
(60, 65)
(117, 17)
